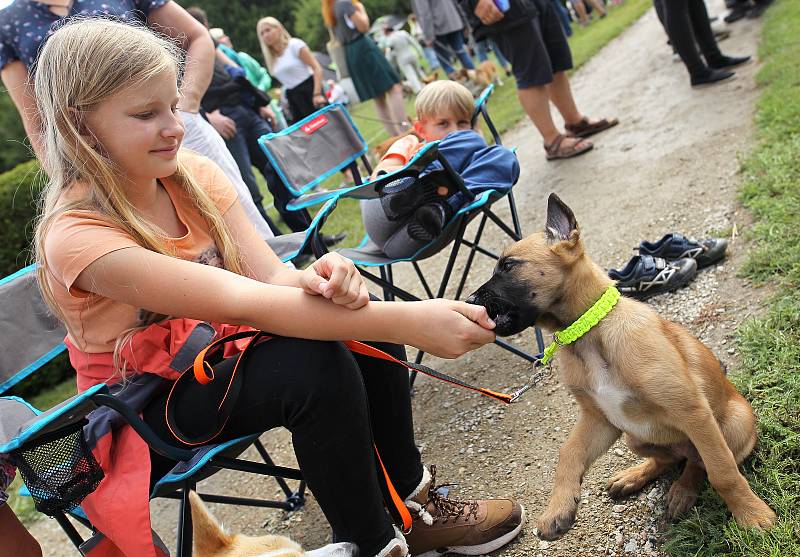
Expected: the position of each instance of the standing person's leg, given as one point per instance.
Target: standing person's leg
(202, 138)
(598, 5)
(432, 58)
(701, 25)
(456, 42)
(409, 69)
(386, 105)
(679, 29)
(506, 65)
(301, 99)
(444, 54)
(530, 62)
(580, 9)
(253, 127)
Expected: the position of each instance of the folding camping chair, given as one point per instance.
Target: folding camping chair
(50, 448)
(327, 141)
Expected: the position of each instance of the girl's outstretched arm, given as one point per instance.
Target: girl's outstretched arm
(171, 286)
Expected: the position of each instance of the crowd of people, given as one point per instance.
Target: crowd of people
(149, 144)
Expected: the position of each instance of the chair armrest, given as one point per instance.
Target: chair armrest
(132, 418)
(24, 425)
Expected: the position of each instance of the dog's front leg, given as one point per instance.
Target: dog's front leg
(592, 436)
(703, 430)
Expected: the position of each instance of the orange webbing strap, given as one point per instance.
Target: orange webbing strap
(367, 350)
(399, 506)
(203, 371)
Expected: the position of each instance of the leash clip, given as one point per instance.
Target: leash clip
(535, 379)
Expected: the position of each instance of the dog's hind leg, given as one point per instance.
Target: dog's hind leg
(739, 428)
(683, 493)
(593, 435)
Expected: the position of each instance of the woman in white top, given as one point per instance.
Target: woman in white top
(290, 61)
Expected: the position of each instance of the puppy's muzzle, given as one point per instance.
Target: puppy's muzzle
(503, 312)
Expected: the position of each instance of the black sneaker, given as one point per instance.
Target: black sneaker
(676, 246)
(429, 220)
(645, 276)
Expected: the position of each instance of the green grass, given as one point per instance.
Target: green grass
(504, 107)
(770, 345)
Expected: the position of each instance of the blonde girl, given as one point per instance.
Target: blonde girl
(290, 60)
(139, 241)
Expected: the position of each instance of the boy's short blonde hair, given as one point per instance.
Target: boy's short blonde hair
(444, 96)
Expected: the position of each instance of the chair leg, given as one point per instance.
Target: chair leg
(422, 280)
(451, 260)
(69, 530)
(185, 522)
(471, 256)
(388, 295)
(512, 204)
(287, 491)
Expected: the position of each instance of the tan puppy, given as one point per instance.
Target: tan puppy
(210, 540)
(632, 373)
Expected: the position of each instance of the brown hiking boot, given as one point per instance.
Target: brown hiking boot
(443, 525)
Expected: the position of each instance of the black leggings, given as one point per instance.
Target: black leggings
(335, 404)
(686, 22)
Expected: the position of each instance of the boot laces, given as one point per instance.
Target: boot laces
(445, 507)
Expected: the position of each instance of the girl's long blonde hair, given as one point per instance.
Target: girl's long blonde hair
(271, 52)
(82, 64)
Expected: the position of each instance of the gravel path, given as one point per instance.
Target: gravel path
(670, 165)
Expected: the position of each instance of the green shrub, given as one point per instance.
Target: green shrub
(19, 190)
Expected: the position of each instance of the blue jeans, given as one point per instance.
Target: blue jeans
(448, 45)
(246, 152)
(430, 56)
(482, 48)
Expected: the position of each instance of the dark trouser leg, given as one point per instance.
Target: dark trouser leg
(444, 53)
(327, 400)
(301, 99)
(703, 34)
(679, 29)
(254, 127)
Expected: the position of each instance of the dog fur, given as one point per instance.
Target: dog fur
(633, 373)
(210, 540)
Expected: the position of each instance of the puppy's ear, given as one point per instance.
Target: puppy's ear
(209, 537)
(561, 224)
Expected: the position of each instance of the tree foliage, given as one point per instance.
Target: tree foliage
(14, 148)
(302, 18)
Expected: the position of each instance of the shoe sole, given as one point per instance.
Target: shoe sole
(646, 295)
(482, 549)
(712, 83)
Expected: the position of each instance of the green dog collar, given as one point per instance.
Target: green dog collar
(583, 324)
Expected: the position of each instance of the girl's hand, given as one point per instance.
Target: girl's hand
(448, 329)
(336, 278)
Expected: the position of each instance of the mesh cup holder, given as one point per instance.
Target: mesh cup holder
(59, 469)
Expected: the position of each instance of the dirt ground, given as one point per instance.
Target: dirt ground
(671, 165)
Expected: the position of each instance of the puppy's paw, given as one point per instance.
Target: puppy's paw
(630, 480)
(552, 524)
(756, 514)
(679, 501)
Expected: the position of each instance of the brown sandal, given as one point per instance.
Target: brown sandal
(584, 128)
(557, 149)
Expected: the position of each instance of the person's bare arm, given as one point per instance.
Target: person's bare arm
(15, 79)
(360, 18)
(172, 286)
(173, 21)
(309, 60)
